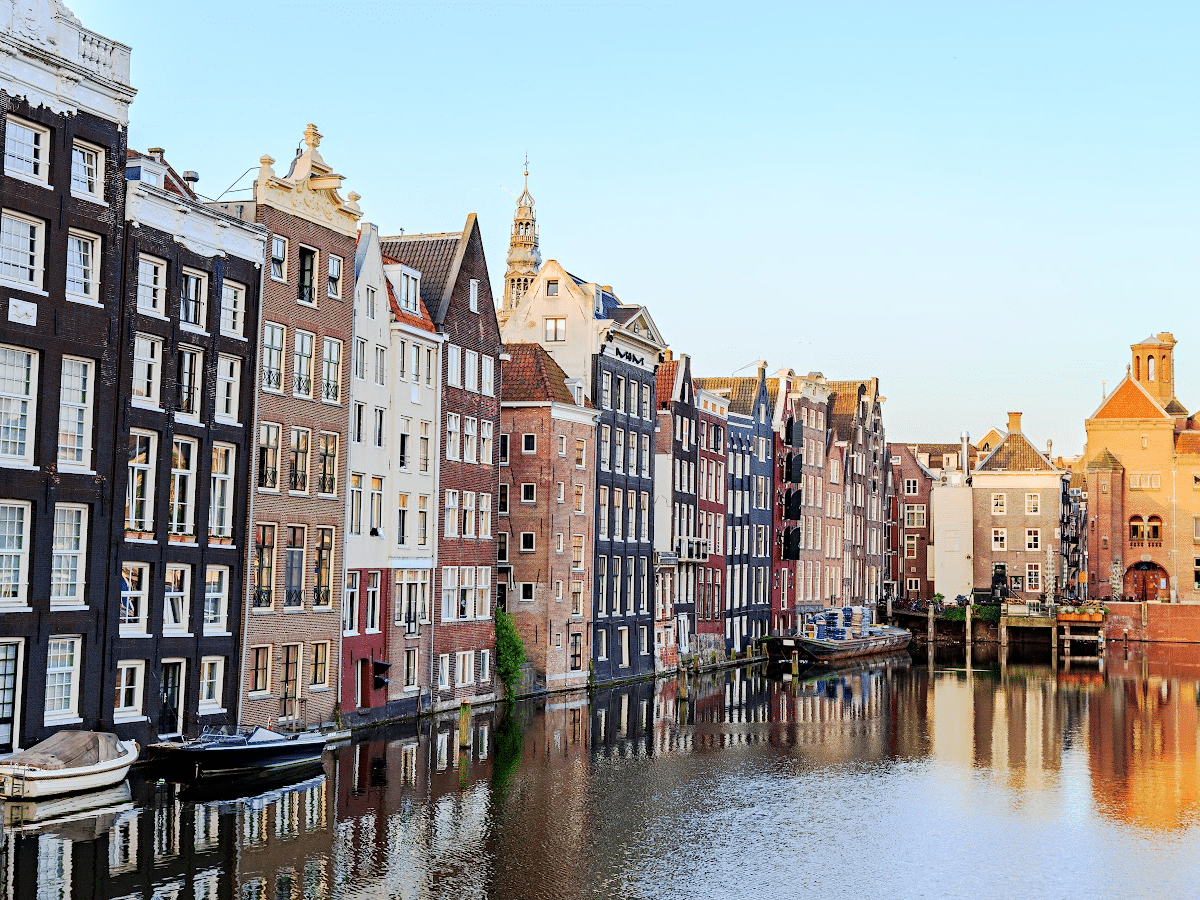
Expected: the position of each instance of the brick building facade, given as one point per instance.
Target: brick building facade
(714, 628)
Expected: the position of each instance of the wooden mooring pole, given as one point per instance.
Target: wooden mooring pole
(464, 724)
(968, 626)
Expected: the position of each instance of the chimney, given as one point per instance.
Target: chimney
(1014, 423)
(156, 153)
(966, 452)
(761, 367)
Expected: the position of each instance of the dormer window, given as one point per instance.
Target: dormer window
(552, 288)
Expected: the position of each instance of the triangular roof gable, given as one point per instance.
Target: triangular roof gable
(1015, 453)
(642, 325)
(1130, 401)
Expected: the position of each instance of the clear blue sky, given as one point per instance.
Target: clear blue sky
(982, 206)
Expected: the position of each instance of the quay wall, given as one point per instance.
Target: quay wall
(1153, 622)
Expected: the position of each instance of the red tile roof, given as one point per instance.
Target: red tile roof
(532, 375)
(1130, 401)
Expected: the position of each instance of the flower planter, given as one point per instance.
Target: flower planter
(181, 538)
(131, 535)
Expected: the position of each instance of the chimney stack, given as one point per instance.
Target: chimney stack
(1014, 423)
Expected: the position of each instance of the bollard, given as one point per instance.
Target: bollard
(930, 635)
(464, 724)
(795, 664)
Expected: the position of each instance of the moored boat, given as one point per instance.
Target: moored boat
(67, 762)
(838, 634)
(246, 751)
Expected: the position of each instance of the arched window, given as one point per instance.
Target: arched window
(1137, 368)
(1154, 529)
(1136, 528)
(1149, 368)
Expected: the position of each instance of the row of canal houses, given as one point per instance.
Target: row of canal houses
(339, 456)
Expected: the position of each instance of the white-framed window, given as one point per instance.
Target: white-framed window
(327, 463)
(468, 512)
(272, 361)
(360, 359)
(602, 504)
(212, 682)
(380, 426)
(350, 603)
(488, 379)
(372, 610)
(229, 387)
(62, 678)
(528, 492)
(21, 249)
(444, 672)
(529, 443)
(220, 500)
(279, 255)
(578, 507)
(127, 705)
(410, 674)
(75, 413)
(268, 456)
(135, 597)
(1033, 538)
(471, 371)
(176, 595)
(451, 511)
(151, 279)
(193, 299)
(216, 600)
(26, 150)
(485, 516)
(14, 553)
(999, 539)
(233, 308)
(83, 266)
(464, 667)
(369, 297)
(913, 586)
(910, 486)
(334, 285)
(302, 364)
(485, 442)
(356, 494)
(453, 365)
(190, 382)
(473, 298)
(470, 438)
(68, 565)
(914, 515)
(605, 446)
(999, 504)
(331, 385)
(556, 329)
(147, 368)
(452, 436)
(1033, 576)
(503, 451)
(1033, 504)
(87, 171)
(18, 393)
(381, 365)
(528, 541)
(402, 519)
(423, 520)
(139, 491)
(181, 502)
(376, 507)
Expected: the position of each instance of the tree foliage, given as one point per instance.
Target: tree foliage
(510, 652)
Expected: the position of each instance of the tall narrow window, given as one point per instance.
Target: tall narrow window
(86, 171)
(264, 566)
(67, 565)
(14, 552)
(192, 297)
(180, 508)
(176, 600)
(308, 276)
(323, 568)
(334, 281)
(332, 386)
(278, 257)
(327, 449)
(216, 599)
(229, 386)
(139, 490)
(272, 362)
(302, 365)
(83, 256)
(233, 308)
(21, 250)
(293, 566)
(147, 358)
(268, 456)
(191, 373)
(62, 678)
(75, 413)
(151, 272)
(220, 510)
(376, 504)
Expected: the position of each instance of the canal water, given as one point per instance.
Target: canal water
(914, 777)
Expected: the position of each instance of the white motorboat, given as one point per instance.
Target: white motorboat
(67, 763)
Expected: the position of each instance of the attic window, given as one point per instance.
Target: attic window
(552, 288)
(474, 295)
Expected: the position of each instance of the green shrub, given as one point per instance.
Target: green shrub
(510, 652)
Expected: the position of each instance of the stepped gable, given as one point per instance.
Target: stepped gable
(532, 375)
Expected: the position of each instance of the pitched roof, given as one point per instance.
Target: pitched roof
(844, 396)
(742, 392)
(1104, 462)
(531, 375)
(1015, 454)
(1130, 401)
(419, 319)
(173, 183)
(664, 381)
(1187, 442)
(1175, 408)
(433, 255)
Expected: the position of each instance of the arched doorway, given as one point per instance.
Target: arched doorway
(1147, 581)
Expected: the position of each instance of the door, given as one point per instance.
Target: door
(8, 695)
(363, 684)
(291, 682)
(999, 581)
(170, 699)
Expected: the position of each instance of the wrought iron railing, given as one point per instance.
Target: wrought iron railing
(331, 390)
(268, 478)
(262, 598)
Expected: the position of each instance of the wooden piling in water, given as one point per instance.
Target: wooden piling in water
(464, 724)
(968, 626)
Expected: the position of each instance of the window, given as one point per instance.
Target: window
(485, 442)
(127, 704)
(372, 611)
(356, 489)
(258, 671)
(503, 451)
(350, 604)
(272, 363)
(422, 520)
(334, 288)
(453, 365)
(381, 365)
(319, 670)
(910, 486)
(26, 147)
(264, 566)
(485, 675)
(14, 552)
(579, 498)
(331, 386)
(552, 287)
(380, 426)
(645, 456)
(360, 359)
(1033, 576)
(502, 546)
(306, 292)
(999, 504)
(139, 491)
(376, 504)
(302, 365)
(453, 449)
(62, 678)
(220, 499)
(471, 367)
(147, 358)
(528, 492)
(577, 552)
(619, 451)
(528, 541)
(189, 384)
(999, 539)
(212, 678)
(216, 599)
(473, 298)
(83, 257)
(1033, 538)
(914, 515)
(529, 443)
(323, 567)
(485, 516)
(451, 513)
(502, 500)
(426, 427)
(180, 506)
(268, 456)
(176, 605)
(87, 170)
(470, 442)
(646, 401)
(526, 593)
(488, 368)
(605, 448)
(279, 247)
(410, 669)
(443, 674)
(21, 250)
(229, 386)
(151, 272)
(327, 459)
(464, 667)
(135, 597)
(75, 413)
(556, 329)
(1032, 505)
(910, 546)
(233, 308)
(193, 296)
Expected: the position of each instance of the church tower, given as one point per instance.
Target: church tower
(1153, 366)
(523, 256)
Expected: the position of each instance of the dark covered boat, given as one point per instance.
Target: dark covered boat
(838, 634)
(248, 751)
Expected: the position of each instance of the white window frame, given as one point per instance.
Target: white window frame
(211, 686)
(64, 712)
(131, 712)
(68, 567)
(229, 388)
(1033, 504)
(83, 267)
(14, 553)
(185, 479)
(487, 375)
(333, 276)
(177, 623)
(216, 594)
(152, 278)
(18, 405)
(92, 187)
(135, 600)
(999, 540)
(38, 159)
(233, 308)
(274, 348)
(75, 414)
(201, 300)
(29, 263)
(221, 490)
(278, 242)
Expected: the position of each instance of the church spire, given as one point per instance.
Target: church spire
(524, 260)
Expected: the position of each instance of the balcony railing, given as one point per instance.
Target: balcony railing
(320, 596)
(293, 597)
(303, 385)
(272, 379)
(268, 478)
(262, 598)
(304, 294)
(326, 484)
(330, 390)
(189, 399)
(297, 479)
